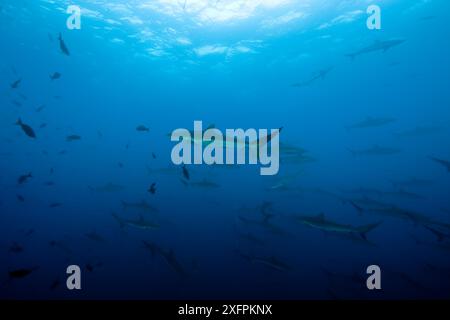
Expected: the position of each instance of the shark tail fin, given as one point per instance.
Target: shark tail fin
(366, 229)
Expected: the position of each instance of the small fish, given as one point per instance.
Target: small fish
(21, 273)
(62, 152)
(40, 108)
(62, 46)
(153, 155)
(16, 84)
(23, 178)
(26, 128)
(142, 128)
(55, 205)
(185, 172)
(49, 184)
(20, 198)
(73, 137)
(43, 125)
(15, 248)
(120, 164)
(152, 188)
(55, 76)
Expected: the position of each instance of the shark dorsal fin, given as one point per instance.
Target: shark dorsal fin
(321, 216)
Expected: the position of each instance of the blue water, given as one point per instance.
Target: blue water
(234, 64)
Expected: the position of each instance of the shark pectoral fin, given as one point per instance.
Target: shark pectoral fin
(366, 229)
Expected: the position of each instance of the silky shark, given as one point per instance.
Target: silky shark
(376, 46)
(321, 223)
(167, 255)
(370, 122)
(270, 262)
(140, 223)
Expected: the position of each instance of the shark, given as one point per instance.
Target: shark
(418, 131)
(140, 223)
(167, 255)
(321, 74)
(371, 122)
(270, 262)
(376, 46)
(445, 163)
(320, 222)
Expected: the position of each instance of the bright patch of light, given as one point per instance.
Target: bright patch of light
(213, 10)
(210, 49)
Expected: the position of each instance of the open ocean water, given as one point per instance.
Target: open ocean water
(87, 179)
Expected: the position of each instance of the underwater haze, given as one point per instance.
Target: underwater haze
(87, 177)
